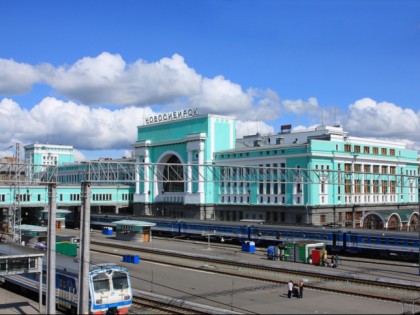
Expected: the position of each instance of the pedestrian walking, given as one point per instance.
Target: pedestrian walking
(300, 289)
(336, 259)
(290, 289)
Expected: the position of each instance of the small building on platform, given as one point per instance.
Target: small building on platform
(60, 218)
(33, 234)
(131, 230)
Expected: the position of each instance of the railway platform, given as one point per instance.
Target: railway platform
(259, 298)
(242, 295)
(12, 303)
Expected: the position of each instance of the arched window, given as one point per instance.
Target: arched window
(173, 175)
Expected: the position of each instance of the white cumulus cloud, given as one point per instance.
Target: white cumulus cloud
(16, 78)
(382, 119)
(107, 79)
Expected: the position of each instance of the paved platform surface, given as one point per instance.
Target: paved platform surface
(242, 295)
(204, 287)
(11, 303)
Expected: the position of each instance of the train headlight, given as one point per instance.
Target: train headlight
(127, 297)
(98, 301)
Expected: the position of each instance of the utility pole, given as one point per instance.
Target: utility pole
(51, 250)
(16, 211)
(83, 303)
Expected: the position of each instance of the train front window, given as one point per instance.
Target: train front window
(101, 282)
(119, 280)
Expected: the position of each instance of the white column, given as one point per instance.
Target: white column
(271, 180)
(146, 175)
(189, 172)
(201, 168)
(137, 176)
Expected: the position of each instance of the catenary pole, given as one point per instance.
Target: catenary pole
(83, 303)
(51, 250)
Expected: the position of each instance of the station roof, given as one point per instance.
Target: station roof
(33, 228)
(58, 211)
(134, 223)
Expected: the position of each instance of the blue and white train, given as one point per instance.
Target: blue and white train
(364, 243)
(109, 284)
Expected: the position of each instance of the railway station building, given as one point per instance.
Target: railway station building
(193, 166)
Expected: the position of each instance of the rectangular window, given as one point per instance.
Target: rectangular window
(392, 170)
(366, 168)
(357, 148)
(347, 187)
(375, 150)
(366, 150)
(383, 151)
(384, 186)
(347, 148)
(375, 186)
(392, 152)
(347, 167)
(392, 187)
(322, 187)
(357, 185)
(366, 186)
(376, 169)
(276, 188)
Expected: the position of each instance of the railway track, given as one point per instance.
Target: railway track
(327, 280)
(149, 303)
(145, 305)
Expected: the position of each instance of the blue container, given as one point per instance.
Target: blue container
(245, 246)
(135, 259)
(248, 246)
(271, 252)
(126, 258)
(107, 230)
(251, 247)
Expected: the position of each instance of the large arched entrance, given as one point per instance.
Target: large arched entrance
(170, 175)
(173, 175)
(414, 222)
(373, 221)
(394, 222)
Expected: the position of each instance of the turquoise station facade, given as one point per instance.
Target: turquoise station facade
(320, 176)
(187, 165)
(176, 163)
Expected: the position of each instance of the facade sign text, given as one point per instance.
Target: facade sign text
(172, 116)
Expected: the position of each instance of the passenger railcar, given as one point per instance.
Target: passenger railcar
(376, 243)
(221, 231)
(361, 242)
(109, 284)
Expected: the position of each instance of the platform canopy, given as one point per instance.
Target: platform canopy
(134, 223)
(33, 228)
(58, 211)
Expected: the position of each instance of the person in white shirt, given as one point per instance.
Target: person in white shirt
(290, 289)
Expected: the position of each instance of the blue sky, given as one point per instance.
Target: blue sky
(86, 73)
